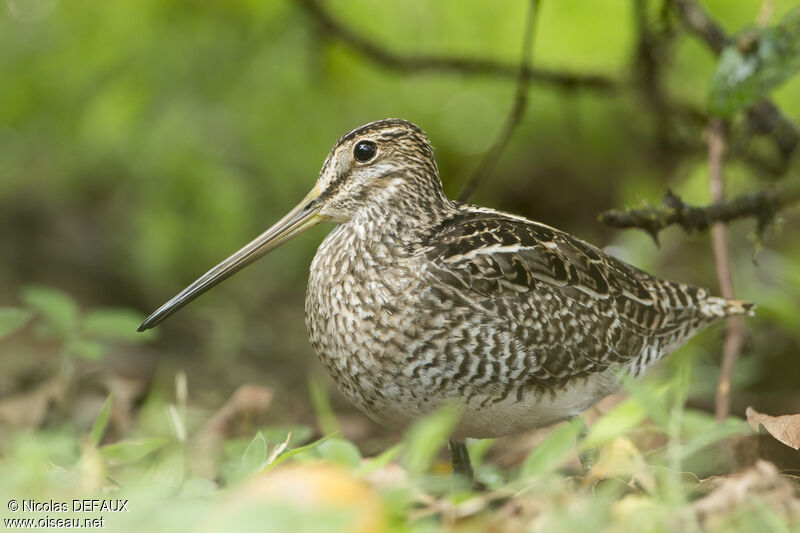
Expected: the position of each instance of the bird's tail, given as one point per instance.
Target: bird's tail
(714, 306)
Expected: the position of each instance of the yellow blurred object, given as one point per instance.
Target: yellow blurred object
(309, 489)
(622, 459)
(631, 505)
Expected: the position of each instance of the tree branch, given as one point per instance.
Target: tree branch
(763, 117)
(410, 63)
(700, 22)
(762, 205)
(734, 335)
(489, 161)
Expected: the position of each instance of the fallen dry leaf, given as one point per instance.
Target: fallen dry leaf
(29, 409)
(762, 483)
(785, 428)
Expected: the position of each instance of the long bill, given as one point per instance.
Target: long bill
(299, 219)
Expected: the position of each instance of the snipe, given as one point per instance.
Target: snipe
(415, 300)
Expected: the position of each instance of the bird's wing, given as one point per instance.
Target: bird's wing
(584, 308)
(493, 252)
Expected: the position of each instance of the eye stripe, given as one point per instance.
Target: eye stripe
(331, 189)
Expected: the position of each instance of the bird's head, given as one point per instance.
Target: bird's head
(380, 163)
(387, 164)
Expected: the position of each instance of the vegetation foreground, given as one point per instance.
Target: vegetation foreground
(166, 464)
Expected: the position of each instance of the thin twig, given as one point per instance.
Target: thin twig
(734, 335)
(762, 205)
(515, 114)
(763, 117)
(700, 22)
(414, 64)
(648, 72)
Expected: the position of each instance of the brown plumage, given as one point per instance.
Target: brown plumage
(414, 300)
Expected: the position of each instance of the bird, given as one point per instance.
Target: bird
(415, 300)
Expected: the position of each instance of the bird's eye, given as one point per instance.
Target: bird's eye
(364, 151)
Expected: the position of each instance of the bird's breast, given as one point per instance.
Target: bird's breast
(360, 311)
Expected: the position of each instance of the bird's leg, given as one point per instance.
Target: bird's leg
(460, 458)
(588, 457)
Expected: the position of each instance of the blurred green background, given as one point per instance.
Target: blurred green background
(143, 141)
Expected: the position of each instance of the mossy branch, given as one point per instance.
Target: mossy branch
(762, 205)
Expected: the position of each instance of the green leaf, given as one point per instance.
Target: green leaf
(701, 429)
(131, 451)
(322, 406)
(116, 324)
(427, 436)
(12, 319)
(341, 452)
(478, 449)
(651, 400)
(758, 61)
(298, 451)
(91, 350)
(275, 435)
(57, 308)
(101, 422)
(618, 421)
(551, 452)
(255, 454)
(381, 460)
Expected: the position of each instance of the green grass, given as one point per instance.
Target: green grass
(180, 470)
